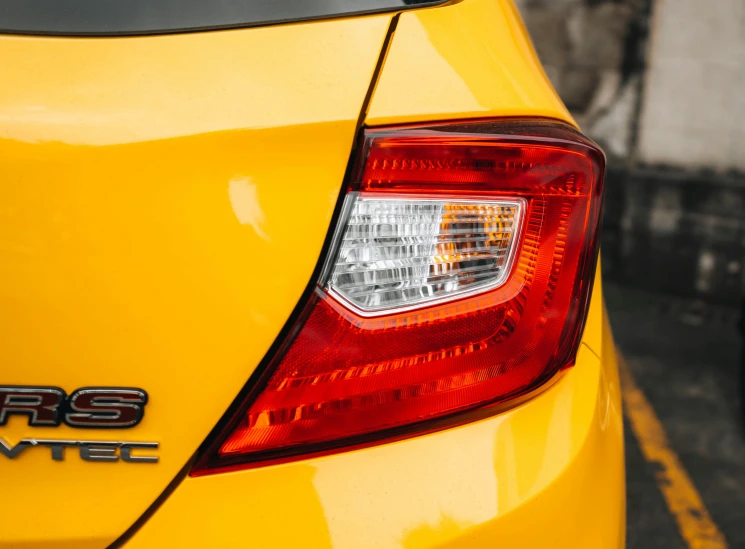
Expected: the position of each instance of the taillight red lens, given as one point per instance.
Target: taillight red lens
(446, 332)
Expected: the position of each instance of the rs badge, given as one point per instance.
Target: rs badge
(87, 407)
(93, 407)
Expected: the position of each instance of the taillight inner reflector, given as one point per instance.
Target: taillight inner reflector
(407, 251)
(458, 278)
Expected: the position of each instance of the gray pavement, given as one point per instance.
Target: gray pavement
(684, 355)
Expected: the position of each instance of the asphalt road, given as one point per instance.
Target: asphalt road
(684, 356)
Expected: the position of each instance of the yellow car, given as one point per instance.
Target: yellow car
(315, 274)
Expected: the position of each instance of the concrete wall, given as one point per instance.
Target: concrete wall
(586, 49)
(693, 108)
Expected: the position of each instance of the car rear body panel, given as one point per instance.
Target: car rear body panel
(168, 199)
(548, 473)
(163, 204)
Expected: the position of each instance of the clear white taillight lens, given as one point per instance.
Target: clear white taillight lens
(405, 252)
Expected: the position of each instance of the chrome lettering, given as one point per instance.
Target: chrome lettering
(89, 450)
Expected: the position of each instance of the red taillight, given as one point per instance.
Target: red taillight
(459, 277)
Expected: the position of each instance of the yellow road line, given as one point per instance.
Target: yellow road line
(682, 498)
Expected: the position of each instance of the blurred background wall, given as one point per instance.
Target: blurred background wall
(661, 85)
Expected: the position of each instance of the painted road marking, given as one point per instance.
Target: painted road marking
(682, 498)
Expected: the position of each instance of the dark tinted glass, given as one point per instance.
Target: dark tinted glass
(123, 17)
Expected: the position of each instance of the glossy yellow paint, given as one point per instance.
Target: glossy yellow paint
(549, 473)
(163, 203)
(469, 59)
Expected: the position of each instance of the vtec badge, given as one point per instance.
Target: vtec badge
(85, 408)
